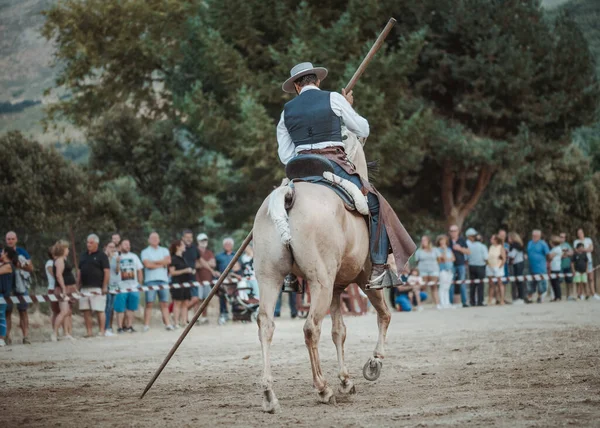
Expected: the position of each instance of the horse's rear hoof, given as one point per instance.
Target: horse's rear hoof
(326, 396)
(372, 369)
(270, 403)
(349, 388)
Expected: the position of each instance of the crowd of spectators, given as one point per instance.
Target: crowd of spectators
(438, 275)
(115, 266)
(440, 271)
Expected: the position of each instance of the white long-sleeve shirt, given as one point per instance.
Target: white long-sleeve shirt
(341, 107)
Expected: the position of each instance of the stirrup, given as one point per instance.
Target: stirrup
(291, 284)
(378, 282)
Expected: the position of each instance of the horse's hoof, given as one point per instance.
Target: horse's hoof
(270, 403)
(372, 369)
(326, 396)
(348, 388)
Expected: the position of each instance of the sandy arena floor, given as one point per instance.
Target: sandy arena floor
(517, 366)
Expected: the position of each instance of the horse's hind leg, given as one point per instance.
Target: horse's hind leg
(372, 368)
(269, 291)
(321, 293)
(338, 334)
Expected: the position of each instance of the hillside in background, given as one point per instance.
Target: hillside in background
(25, 63)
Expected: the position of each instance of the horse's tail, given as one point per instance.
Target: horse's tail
(278, 213)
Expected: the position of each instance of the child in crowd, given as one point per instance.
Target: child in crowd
(555, 267)
(579, 264)
(410, 293)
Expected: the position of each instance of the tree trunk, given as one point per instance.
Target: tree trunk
(457, 200)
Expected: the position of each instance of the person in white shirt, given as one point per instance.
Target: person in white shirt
(311, 123)
(156, 260)
(131, 276)
(588, 247)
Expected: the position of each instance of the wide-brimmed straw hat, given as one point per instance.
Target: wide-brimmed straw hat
(300, 70)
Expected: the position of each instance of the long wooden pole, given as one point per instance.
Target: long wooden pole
(203, 306)
(376, 46)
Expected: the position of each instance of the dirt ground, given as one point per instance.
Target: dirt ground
(518, 366)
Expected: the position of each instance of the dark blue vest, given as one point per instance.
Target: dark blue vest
(310, 120)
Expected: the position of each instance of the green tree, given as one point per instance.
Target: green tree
(39, 189)
(461, 91)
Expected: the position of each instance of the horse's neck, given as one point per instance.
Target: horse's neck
(360, 163)
(356, 154)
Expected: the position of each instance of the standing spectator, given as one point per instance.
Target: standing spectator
(588, 248)
(445, 259)
(113, 282)
(503, 236)
(156, 259)
(205, 273)
(580, 262)
(65, 285)
(495, 270)
(93, 275)
(115, 238)
(516, 259)
(22, 277)
(477, 263)
(461, 251)
(537, 252)
(131, 275)
(223, 260)
(555, 267)
(426, 258)
(8, 258)
(565, 264)
(191, 255)
(49, 269)
(180, 272)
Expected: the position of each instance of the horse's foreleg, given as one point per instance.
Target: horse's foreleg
(320, 302)
(338, 334)
(372, 369)
(266, 328)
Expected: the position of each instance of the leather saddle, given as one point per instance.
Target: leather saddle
(308, 165)
(309, 168)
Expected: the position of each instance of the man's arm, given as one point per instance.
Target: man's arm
(140, 275)
(353, 121)
(105, 281)
(78, 279)
(285, 149)
(149, 264)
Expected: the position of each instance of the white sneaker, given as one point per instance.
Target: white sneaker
(518, 302)
(596, 297)
(69, 337)
(203, 320)
(145, 328)
(108, 333)
(439, 307)
(2, 343)
(582, 297)
(170, 327)
(176, 326)
(53, 338)
(419, 308)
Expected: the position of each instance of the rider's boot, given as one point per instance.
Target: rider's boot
(378, 273)
(291, 284)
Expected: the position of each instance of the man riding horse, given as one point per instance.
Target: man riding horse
(312, 123)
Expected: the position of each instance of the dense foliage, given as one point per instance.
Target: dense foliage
(472, 105)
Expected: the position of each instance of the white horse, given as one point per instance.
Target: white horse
(327, 245)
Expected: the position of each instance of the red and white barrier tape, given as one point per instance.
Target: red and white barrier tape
(81, 294)
(534, 277)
